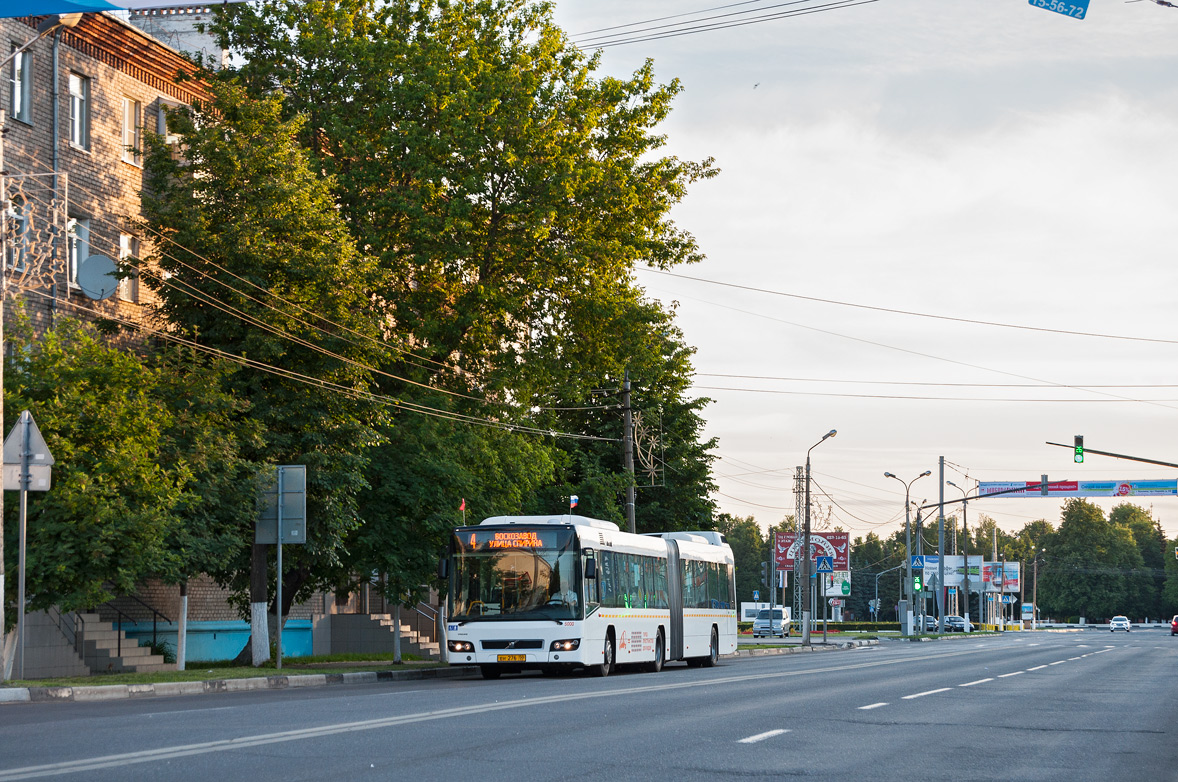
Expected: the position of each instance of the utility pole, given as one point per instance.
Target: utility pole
(941, 594)
(628, 449)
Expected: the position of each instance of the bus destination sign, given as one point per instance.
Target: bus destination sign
(513, 539)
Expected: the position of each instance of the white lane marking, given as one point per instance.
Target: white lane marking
(762, 736)
(1058, 662)
(1070, 658)
(1028, 645)
(869, 707)
(1037, 667)
(926, 692)
(979, 681)
(1005, 675)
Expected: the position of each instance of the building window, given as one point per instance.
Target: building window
(21, 85)
(79, 111)
(79, 246)
(132, 130)
(129, 285)
(16, 249)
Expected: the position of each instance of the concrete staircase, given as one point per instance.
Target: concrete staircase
(107, 650)
(367, 633)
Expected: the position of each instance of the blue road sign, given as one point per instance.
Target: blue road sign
(917, 562)
(756, 595)
(825, 565)
(1077, 9)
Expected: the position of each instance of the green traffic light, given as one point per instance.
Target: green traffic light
(1079, 458)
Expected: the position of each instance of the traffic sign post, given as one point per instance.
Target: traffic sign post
(286, 509)
(24, 451)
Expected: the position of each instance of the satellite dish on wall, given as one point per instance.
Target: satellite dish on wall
(96, 277)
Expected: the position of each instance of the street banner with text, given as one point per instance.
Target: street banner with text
(1024, 489)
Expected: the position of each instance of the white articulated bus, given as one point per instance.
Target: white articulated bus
(563, 592)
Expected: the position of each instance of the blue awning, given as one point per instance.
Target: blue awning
(9, 8)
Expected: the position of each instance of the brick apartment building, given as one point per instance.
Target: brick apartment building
(77, 103)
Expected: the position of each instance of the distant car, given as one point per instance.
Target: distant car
(766, 625)
(1119, 623)
(930, 623)
(1174, 626)
(957, 623)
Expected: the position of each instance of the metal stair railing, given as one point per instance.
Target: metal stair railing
(156, 615)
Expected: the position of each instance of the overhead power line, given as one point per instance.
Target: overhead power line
(912, 313)
(329, 386)
(710, 24)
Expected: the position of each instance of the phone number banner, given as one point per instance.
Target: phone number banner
(1024, 489)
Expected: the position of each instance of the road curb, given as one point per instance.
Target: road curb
(111, 692)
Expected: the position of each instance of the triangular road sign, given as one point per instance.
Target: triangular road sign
(38, 450)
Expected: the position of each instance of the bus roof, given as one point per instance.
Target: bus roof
(578, 521)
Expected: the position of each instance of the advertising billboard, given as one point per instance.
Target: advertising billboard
(824, 544)
(955, 570)
(1001, 577)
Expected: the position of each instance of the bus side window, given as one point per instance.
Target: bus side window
(701, 584)
(660, 583)
(713, 585)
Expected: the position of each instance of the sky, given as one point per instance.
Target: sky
(985, 160)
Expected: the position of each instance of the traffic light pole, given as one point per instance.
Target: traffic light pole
(1116, 455)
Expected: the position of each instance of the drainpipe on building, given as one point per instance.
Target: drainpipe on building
(53, 142)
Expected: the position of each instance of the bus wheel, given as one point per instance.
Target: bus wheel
(607, 662)
(713, 651)
(490, 671)
(659, 654)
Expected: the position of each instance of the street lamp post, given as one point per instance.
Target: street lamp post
(965, 550)
(908, 536)
(808, 607)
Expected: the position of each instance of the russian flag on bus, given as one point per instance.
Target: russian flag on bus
(572, 502)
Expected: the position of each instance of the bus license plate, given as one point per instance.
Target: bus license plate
(511, 658)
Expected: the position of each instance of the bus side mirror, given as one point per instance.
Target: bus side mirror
(443, 568)
(591, 568)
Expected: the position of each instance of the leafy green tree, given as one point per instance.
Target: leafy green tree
(208, 431)
(1169, 598)
(109, 520)
(506, 192)
(418, 480)
(1089, 564)
(256, 263)
(870, 557)
(1145, 586)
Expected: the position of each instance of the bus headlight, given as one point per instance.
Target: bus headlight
(460, 646)
(567, 645)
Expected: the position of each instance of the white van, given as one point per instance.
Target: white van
(766, 625)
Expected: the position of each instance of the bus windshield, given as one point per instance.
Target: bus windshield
(516, 573)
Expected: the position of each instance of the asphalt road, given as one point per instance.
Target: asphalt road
(1069, 706)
